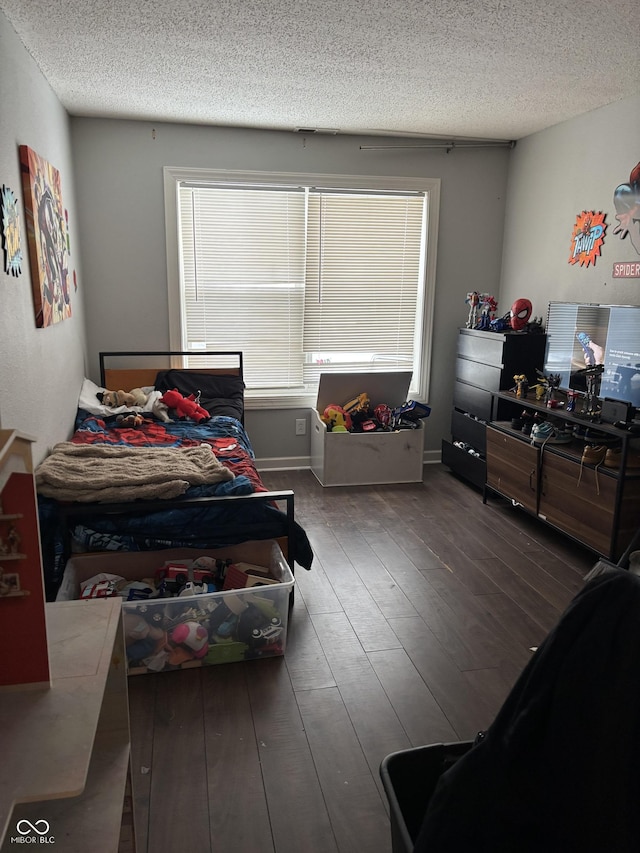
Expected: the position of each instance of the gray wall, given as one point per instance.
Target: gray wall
(553, 176)
(40, 369)
(112, 186)
(120, 197)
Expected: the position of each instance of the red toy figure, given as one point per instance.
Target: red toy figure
(186, 407)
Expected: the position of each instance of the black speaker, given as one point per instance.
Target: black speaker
(616, 410)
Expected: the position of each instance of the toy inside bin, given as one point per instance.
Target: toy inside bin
(409, 778)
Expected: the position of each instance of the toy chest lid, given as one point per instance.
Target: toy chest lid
(390, 387)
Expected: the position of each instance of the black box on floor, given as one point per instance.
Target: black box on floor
(409, 778)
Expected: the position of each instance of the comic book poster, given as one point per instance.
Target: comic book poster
(46, 238)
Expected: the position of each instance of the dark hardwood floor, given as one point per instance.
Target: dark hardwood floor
(417, 617)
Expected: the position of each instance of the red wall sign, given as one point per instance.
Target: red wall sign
(626, 269)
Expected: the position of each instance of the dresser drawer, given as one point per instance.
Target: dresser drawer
(579, 502)
(472, 468)
(485, 348)
(469, 430)
(512, 468)
(472, 399)
(483, 375)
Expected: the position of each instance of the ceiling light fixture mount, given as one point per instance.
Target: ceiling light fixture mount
(311, 130)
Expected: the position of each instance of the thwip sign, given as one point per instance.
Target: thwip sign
(587, 237)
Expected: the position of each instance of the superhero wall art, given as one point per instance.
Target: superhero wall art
(11, 233)
(587, 237)
(46, 238)
(626, 199)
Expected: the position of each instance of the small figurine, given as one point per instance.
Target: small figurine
(547, 387)
(473, 301)
(9, 582)
(554, 380)
(542, 388)
(571, 401)
(522, 385)
(131, 420)
(488, 308)
(14, 539)
(520, 313)
(361, 403)
(534, 326)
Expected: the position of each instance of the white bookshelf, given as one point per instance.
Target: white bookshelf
(66, 748)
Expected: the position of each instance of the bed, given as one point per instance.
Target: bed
(139, 477)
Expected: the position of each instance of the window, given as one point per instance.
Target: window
(305, 276)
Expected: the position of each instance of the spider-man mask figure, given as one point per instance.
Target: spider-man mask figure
(520, 313)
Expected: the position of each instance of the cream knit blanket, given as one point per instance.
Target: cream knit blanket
(111, 473)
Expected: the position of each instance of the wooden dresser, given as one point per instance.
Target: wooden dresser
(485, 362)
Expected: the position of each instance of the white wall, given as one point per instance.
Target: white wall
(40, 369)
(553, 176)
(120, 196)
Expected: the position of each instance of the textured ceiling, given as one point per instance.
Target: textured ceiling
(491, 69)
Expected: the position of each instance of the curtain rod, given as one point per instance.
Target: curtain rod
(448, 146)
(192, 185)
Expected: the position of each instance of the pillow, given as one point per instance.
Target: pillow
(90, 403)
(220, 394)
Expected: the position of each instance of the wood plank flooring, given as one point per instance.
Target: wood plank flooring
(413, 624)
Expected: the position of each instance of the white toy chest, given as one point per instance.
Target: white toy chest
(362, 459)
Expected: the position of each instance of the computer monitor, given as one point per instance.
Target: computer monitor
(583, 335)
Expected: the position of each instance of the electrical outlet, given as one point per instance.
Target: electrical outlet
(301, 426)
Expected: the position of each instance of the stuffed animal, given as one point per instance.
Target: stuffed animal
(161, 410)
(257, 629)
(142, 637)
(113, 399)
(185, 406)
(188, 641)
(133, 420)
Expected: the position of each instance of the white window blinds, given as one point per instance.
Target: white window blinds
(304, 280)
(364, 281)
(243, 257)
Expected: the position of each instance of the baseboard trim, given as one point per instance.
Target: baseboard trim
(301, 463)
(283, 463)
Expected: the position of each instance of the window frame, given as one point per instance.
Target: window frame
(172, 176)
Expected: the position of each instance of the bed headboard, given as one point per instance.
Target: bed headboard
(127, 370)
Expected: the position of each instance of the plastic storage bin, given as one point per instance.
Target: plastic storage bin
(409, 778)
(163, 634)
